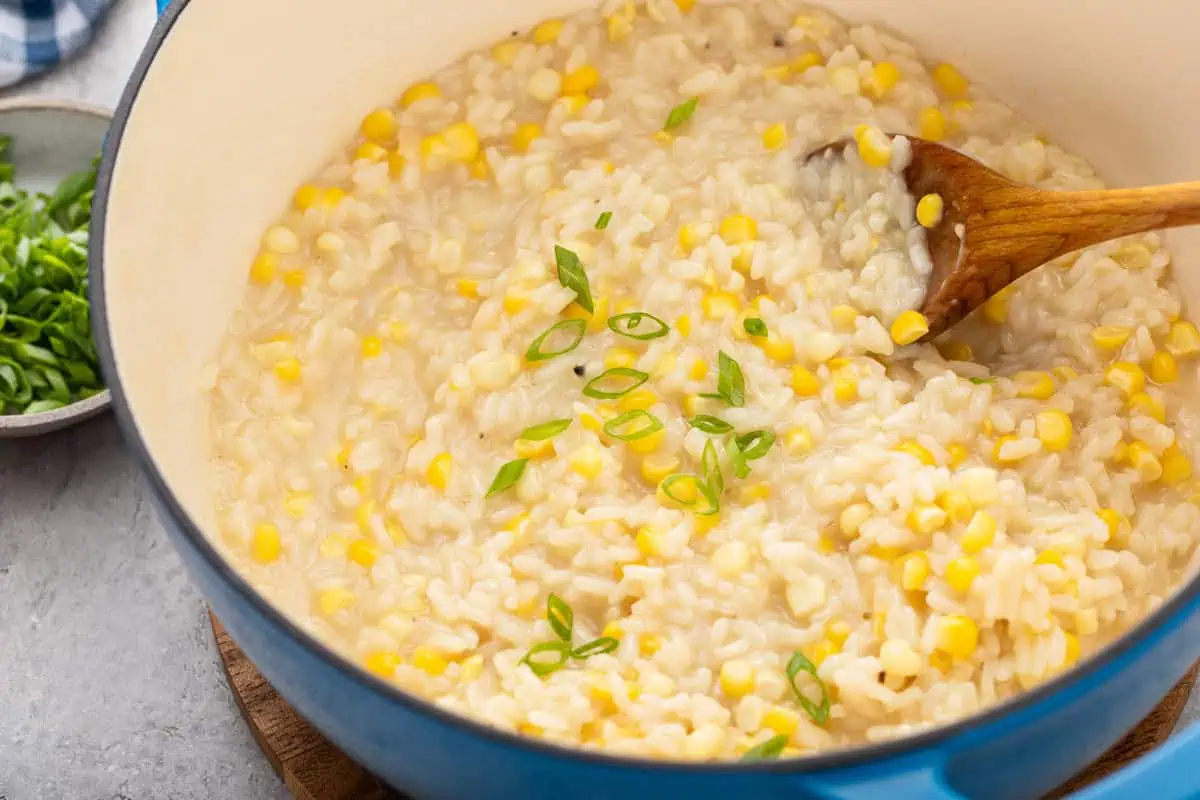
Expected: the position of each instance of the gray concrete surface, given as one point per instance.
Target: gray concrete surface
(110, 688)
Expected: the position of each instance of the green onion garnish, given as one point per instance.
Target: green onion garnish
(709, 424)
(681, 114)
(673, 486)
(737, 459)
(633, 425)
(560, 616)
(572, 276)
(574, 328)
(755, 326)
(605, 644)
(603, 220)
(628, 324)
(507, 476)
(818, 711)
(547, 430)
(768, 750)
(731, 384)
(755, 444)
(710, 469)
(622, 381)
(547, 657)
(978, 381)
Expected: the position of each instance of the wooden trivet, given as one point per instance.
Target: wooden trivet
(314, 769)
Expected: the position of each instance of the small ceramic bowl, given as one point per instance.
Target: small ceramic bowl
(51, 139)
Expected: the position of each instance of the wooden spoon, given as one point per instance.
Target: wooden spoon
(994, 230)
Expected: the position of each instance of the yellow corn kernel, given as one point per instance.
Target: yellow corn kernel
(737, 678)
(754, 492)
(952, 83)
(470, 669)
(979, 533)
(526, 448)
(467, 288)
(264, 268)
(738, 229)
(639, 399)
(775, 136)
(587, 461)
(929, 210)
(506, 53)
(379, 125)
(649, 541)
(462, 142)
(957, 454)
(917, 451)
(804, 382)
(438, 471)
(657, 466)
(331, 601)
(296, 503)
(1126, 376)
(613, 629)
(799, 440)
(1183, 339)
(685, 5)
(908, 327)
(382, 662)
(925, 519)
(363, 552)
(883, 78)
(1147, 405)
(845, 386)
(843, 317)
(371, 346)
(956, 504)
(1116, 522)
(781, 350)
(306, 197)
(288, 370)
(429, 661)
(698, 370)
(874, 146)
(957, 635)
(369, 151)
(396, 164)
(362, 485)
(914, 571)
(620, 357)
(1051, 555)
(998, 450)
(1163, 367)
(1073, 649)
(620, 25)
(418, 92)
(961, 573)
(525, 135)
(547, 32)
(852, 518)
(1054, 430)
(333, 197)
(647, 444)
(807, 61)
(265, 543)
(515, 301)
(580, 81)
(294, 278)
(434, 151)
(783, 721)
(648, 645)
(1110, 337)
(1034, 384)
(718, 305)
(821, 651)
(688, 239)
(931, 124)
(1176, 466)
(1142, 458)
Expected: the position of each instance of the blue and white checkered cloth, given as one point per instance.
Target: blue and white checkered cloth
(36, 35)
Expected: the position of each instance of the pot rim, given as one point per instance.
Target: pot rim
(1022, 706)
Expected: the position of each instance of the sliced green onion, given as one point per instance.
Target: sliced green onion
(737, 459)
(672, 487)
(547, 430)
(547, 657)
(819, 711)
(731, 384)
(605, 644)
(572, 276)
(755, 326)
(708, 424)
(628, 324)
(622, 381)
(560, 616)
(681, 114)
(575, 328)
(603, 220)
(710, 469)
(978, 381)
(626, 426)
(755, 444)
(507, 476)
(768, 750)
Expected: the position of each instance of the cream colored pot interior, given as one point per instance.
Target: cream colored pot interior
(246, 99)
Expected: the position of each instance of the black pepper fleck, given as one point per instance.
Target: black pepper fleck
(579, 370)
(481, 436)
(515, 33)
(779, 41)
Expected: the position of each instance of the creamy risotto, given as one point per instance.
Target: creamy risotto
(570, 397)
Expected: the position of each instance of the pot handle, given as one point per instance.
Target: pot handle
(1166, 773)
